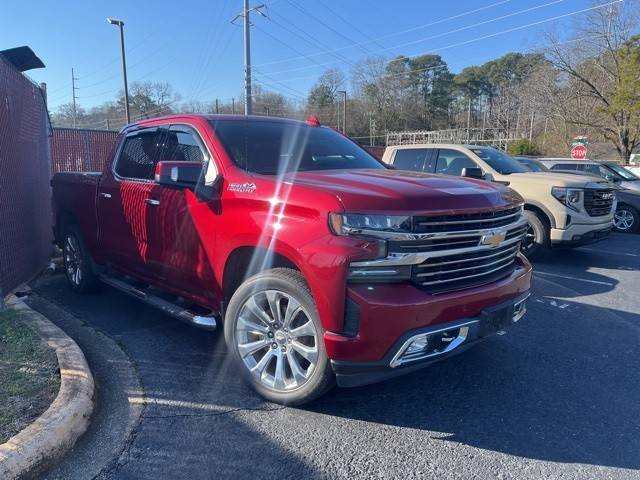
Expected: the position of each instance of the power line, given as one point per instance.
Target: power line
(483, 37)
(419, 27)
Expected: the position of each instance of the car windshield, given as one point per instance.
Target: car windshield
(623, 172)
(499, 161)
(533, 165)
(274, 147)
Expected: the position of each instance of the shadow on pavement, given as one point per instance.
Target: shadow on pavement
(562, 389)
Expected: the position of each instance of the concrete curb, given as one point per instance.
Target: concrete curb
(53, 433)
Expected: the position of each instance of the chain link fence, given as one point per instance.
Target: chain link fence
(25, 171)
(75, 150)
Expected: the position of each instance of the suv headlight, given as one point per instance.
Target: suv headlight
(359, 224)
(571, 197)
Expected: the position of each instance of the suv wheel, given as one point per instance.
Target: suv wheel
(626, 219)
(536, 239)
(273, 330)
(78, 265)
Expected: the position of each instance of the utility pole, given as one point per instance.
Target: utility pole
(469, 120)
(245, 14)
(217, 110)
(73, 91)
(344, 111)
(233, 105)
(371, 129)
(120, 23)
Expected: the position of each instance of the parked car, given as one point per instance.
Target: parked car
(610, 171)
(321, 263)
(563, 210)
(626, 218)
(532, 164)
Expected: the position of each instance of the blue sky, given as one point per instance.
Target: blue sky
(192, 45)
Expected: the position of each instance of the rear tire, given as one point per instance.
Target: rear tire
(273, 331)
(626, 219)
(78, 265)
(536, 240)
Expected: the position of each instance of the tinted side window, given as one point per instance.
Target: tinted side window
(451, 162)
(139, 155)
(182, 146)
(410, 159)
(565, 166)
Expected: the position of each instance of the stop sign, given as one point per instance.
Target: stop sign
(579, 152)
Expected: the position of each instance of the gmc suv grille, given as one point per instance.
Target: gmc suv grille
(598, 203)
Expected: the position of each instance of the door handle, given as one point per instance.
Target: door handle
(105, 195)
(151, 201)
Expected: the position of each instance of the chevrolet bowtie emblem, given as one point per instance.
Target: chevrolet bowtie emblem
(493, 239)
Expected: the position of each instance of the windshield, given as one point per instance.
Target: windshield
(499, 161)
(623, 172)
(273, 147)
(533, 165)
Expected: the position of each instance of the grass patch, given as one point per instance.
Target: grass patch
(29, 377)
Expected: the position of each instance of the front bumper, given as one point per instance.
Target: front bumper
(580, 234)
(380, 314)
(441, 341)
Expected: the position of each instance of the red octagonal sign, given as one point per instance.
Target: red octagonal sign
(579, 152)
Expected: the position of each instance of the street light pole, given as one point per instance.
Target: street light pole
(120, 23)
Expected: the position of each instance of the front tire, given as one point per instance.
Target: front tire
(273, 331)
(78, 265)
(536, 240)
(626, 219)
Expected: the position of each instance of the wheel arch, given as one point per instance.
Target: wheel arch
(243, 262)
(63, 219)
(544, 214)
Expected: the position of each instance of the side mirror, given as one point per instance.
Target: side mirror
(472, 172)
(177, 174)
(489, 177)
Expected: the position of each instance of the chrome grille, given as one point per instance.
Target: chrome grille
(470, 263)
(465, 222)
(598, 203)
(463, 270)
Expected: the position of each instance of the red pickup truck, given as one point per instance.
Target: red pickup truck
(321, 263)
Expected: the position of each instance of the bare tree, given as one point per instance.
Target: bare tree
(595, 68)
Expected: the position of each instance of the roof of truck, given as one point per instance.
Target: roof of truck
(219, 117)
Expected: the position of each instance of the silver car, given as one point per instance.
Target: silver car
(608, 170)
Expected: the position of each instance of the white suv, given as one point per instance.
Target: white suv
(563, 209)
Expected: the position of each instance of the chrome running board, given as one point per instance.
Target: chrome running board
(207, 322)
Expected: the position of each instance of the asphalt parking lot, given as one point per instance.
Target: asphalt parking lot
(556, 397)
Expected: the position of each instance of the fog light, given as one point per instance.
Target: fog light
(418, 345)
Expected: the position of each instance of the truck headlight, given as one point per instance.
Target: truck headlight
(571, 197)
(360, 224)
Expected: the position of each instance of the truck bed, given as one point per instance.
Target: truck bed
(74, 194)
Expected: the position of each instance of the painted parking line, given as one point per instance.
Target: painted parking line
(609, 252)
(609, 284)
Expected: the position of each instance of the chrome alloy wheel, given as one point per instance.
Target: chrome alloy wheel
(623, 220)
(529, 240)
(73, 260)
(277, 340)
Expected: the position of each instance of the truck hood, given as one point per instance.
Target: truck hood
(406, 192)
(556, 179)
